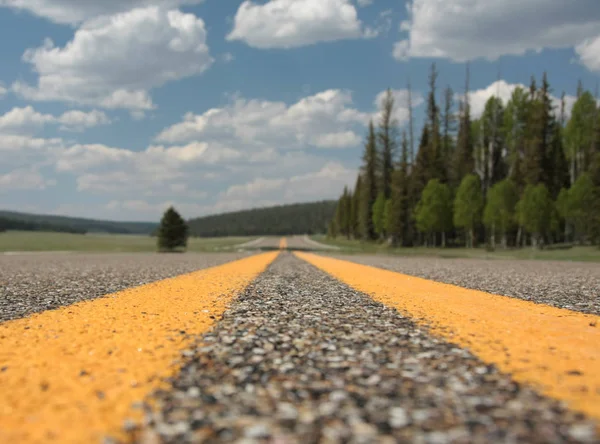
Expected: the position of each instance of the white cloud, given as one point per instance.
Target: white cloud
(27, 120)
(401, 111)
(24, 179)
(363, 3)
(323, 183)
(75, 11)
(504, 90)
(3, 91)
(324, 120)
(589, 53)
(76, 120)
(113, 61)
(467, 29)
(295, 23)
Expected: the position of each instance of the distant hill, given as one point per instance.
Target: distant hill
(300, 218)
(36, 222)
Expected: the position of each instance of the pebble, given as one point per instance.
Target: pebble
(571, 285)
(343, 368)
(32, 283)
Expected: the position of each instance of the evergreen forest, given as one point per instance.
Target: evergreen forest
(524, 173)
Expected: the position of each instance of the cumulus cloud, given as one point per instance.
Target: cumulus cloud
(75, 11)
(589, 53)
(24, 179)
(504, 90)
(27, 120)
(327, 119)
(324, 183)
(3, 91)
(295, 23)
(467, 29)
(113, 61)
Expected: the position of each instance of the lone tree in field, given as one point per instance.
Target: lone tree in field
(173, 231)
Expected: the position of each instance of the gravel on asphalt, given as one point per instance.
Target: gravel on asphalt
(301, 357)
(571, 285)
(32, 283)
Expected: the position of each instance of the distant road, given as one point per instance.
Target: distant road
(252, 243)
(293, 243)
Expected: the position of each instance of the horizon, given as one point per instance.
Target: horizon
(217, 110)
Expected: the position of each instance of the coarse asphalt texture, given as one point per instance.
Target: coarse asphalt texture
(301, 357)
(571, 285)
(31, 283)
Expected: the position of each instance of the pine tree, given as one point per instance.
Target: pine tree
(535, 212)
(342, 214)
(468, 205)
(582, 206)
(499, 214)
(448, 129)
(172, 232)
(539, 134)
(411, 125)
(368, 193)
(355, 209)
(331, 229)
(422, 171)
(579, 134)
(490, 163)
(399, 211)
(386, 136)
(379, 215)
(463, 162)
(514, 130)
(433, 213)
(388, 221)
(434, 147)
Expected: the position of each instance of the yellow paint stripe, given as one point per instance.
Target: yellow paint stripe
(71, 375)
(557, 351)
(283, 243)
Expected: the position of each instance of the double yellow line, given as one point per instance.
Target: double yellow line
(72, 374)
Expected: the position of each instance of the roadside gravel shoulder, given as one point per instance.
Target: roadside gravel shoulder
(301, 357)
(571, 285)
(31, 283)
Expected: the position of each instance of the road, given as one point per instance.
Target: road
(292, 242)
(293, 347)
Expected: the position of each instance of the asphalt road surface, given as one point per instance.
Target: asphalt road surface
(271, 348)
(291, 242)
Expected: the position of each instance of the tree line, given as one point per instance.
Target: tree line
(523, 173)
(21, 225)
(303, 218)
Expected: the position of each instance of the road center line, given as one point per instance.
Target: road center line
(557, 351)
(71, 374)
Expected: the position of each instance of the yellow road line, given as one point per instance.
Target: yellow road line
(283, 243)
(71, 375)
(554, 350)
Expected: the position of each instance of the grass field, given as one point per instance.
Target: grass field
(575, 253)
(42, 241)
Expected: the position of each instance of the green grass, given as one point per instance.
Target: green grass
(574, 253)
(43, 241)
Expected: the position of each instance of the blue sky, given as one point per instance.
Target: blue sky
(117, 109)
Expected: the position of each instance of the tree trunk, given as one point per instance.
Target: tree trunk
(493, 237)
(472, 236)
(519, 237)
(504, 242)
(443, 239)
